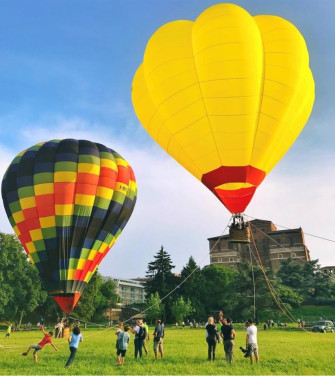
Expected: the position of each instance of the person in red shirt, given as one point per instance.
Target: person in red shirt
(39, 346)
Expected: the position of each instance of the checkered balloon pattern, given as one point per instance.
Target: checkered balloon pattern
(68, 201)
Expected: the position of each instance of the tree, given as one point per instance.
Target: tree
(308, 280)
(154, 308)
(250, 280)
(105, 299)
(85, 308)
(181, 309)
(192, 287)
(292, 274)
(160, 276)
(216, 292)
(161, 279)
(21, 290)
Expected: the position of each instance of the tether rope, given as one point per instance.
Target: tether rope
(275, 296)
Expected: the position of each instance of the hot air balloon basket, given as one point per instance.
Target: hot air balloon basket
(237, 235)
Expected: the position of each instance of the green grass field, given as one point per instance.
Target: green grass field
(282, 352)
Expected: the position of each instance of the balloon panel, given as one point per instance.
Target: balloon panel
(226, 96)
(68, 201)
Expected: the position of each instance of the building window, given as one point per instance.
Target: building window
(219, 247)
(291, 242)
(265, 245)
(280, 256)
(278, 241)
(293, 255)
(220, 260)
(231, 259)
(230, 245)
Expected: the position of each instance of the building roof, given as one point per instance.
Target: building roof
(285, 231)
(219, 237)
(294, 230)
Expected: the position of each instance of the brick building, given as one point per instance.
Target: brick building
(273, 246)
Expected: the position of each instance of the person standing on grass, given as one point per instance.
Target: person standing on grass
(145, 326)
(118, 331)
(140, 335)
(74, 340)
(122, 346)
(211, 337)
(9, 330)
(251, 341)
(228, 335)
(39, 346)
(158, 339)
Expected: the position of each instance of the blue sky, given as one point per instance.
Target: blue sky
(66, 71)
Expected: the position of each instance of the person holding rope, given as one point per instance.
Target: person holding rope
(40, 345)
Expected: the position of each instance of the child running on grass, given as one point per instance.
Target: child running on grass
(74, 340)
(39, 346)
(122, 346)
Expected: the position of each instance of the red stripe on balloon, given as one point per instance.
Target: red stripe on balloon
(233, 174)
(67, 303)
(237, 200)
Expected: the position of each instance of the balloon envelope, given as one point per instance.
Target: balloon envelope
(226, 96)
(68, 201)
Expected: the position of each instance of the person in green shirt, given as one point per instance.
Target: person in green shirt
(146, 338)
(9, 330)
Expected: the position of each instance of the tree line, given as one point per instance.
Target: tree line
(240, 293)
(191, 294)
(22, 295)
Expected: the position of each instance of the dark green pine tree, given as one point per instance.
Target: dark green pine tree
(161, 279)
(192, 287)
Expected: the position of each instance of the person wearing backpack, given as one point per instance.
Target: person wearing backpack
(122, 346)
(140, 334)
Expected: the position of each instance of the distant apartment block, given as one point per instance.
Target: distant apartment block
(131, 291)
(330, 271)
(273, 247)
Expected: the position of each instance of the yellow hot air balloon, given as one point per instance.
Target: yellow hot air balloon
(226, 96)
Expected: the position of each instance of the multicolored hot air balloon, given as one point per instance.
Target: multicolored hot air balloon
(68, 201)
(226, 96)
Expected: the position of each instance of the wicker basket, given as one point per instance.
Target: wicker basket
(237, 235)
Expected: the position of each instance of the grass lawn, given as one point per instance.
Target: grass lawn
(282, 352)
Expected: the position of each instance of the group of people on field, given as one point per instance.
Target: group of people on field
(214, 333)
(225, 330)
(141, 332)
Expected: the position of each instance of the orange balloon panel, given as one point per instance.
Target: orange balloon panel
(226, 96)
